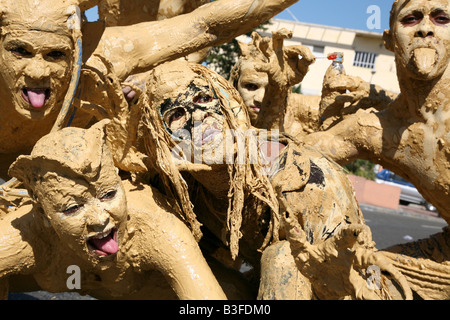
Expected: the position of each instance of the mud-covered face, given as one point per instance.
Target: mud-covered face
(36, 70)
(193, 115)
(421, 33)
(252, 88)
(90, 217)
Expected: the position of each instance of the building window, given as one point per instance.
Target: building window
(317, 51)
(365, 59)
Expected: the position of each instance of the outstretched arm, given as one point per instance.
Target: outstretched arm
(339, 143)
(358, 136)
(138, 48)
(169, 246)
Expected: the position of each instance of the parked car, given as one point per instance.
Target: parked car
(409, 193)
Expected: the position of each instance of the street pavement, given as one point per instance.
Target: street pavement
(407, 224)
(412, 210)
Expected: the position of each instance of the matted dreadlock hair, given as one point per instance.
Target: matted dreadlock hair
(246, 179)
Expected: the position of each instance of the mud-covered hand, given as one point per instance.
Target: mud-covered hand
(343, 83)
(105, 96)
(340, 267)
(286, 66)
(129, 93)
(298, 58)
(340, 89)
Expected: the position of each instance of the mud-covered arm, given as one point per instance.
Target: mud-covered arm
(166, 244)
(175, 253)
(361, 135)
(137, 48)
(16, 253)
(339, 142)
(285, 66)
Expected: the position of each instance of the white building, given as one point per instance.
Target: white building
(364, 53)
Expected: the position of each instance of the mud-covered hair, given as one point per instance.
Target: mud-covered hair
(247, 181)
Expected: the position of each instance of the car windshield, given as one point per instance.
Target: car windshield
(390, 176)
(398, 178)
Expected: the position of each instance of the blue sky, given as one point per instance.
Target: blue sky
(344, 13)
(92, 14)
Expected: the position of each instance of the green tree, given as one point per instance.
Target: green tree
(222, 58)
(297, 89)
(361, 168)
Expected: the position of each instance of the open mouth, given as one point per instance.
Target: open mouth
(255, 108)
(104, 243)
(36, 97)
(425, 58)
(209, 135)
(207, 131)
(206, 136)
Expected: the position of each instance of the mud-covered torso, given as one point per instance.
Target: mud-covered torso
(316, 191)
(424, 153)
(121, 282)
(417, 150)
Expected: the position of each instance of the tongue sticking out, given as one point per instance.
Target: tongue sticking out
(36, 97)
(424, 59)
(106, 245)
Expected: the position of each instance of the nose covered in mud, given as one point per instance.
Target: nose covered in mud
(193, 115)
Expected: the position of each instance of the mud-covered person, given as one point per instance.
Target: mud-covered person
(410, 136)
(264, 76)
(125, 237)
(39, 61)
(205, 151)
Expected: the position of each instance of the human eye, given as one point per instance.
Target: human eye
(412, 19)
(108, 195)
(20, 51)
(177, 114)
(251, 86)
(202, 98)
(175, 118)
(71, 209)
(440, 17)
(56, 54)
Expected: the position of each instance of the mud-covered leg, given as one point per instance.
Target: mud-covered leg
(315, 195)
(425, 264)
(338, 267)
(280, 277)
(368, 257)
